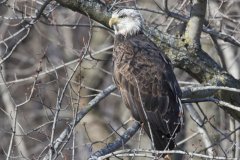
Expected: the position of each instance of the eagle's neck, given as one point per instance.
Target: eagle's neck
(120, 38)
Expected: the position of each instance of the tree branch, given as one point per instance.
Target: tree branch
(148, 153)
(117, 143)
(223, 104)
(195, 23)
(201, 127)
(65, 135)
(204, 91)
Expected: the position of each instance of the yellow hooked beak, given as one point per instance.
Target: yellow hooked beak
(113, 21)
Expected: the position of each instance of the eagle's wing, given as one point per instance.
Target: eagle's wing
(149, 88)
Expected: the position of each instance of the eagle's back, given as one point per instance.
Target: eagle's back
(148, 86)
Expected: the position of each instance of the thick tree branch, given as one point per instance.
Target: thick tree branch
(204, 91)
(195, 23)
(93, 8)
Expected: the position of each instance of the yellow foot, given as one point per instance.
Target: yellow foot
(130, 119)
(167, 157)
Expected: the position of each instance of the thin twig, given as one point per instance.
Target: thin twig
(217, 101)
(117, 143)
(65, 133)
(26, 27)
(201, 128)
(188, 138)
(46, 72)
(61, 96)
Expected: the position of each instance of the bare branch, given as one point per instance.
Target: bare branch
(217, 101)
(148, 153)
(204, 91)
(48, 71)
(195, 23)
(201, 128)
(27, 27)
(117, 143)
(62, 139)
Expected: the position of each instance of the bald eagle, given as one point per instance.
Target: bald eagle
(145, 79)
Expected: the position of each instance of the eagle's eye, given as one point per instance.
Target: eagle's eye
(122, 16)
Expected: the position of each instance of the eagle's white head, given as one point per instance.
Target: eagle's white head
(126, 22)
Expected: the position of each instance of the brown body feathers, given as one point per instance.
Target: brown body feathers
(149, 88)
